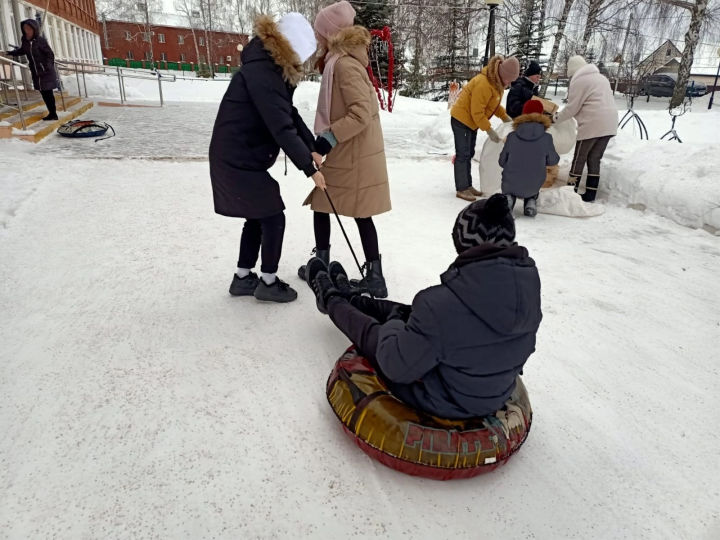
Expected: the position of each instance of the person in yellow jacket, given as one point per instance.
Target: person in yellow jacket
(478, 102)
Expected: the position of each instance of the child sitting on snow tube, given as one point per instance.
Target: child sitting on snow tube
(456, 353)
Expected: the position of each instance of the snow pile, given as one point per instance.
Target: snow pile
(563, 201)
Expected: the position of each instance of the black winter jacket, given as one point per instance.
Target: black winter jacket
(255, 120)
(41, 59)
(521, 91)
(467, 339)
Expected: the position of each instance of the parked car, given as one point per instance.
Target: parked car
(663, 85)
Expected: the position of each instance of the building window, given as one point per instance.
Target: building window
(182, 57)
(130, 55)
(201, 42)
(146, 36)
(161, 38)
(163, 57)
(668, 53)
(148, 56)
(228, 59)
(128, 36)
(181, 40)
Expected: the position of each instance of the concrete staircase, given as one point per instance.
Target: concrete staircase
(33, 111)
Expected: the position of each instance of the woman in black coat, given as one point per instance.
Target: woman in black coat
(41, 62)
(255, 120)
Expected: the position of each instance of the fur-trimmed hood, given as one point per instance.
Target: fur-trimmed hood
(352, 41)
(279, 49)
(531, 127)
(533, 117)
(491, 72)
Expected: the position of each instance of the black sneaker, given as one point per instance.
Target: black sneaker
(322, 254)
(313, 268)
(50, 117)
(338, 276)
(324, 290)
(279, 292)
(244, 286)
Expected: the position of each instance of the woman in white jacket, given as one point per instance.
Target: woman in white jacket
(591, 103)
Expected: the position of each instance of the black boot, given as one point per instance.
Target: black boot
(339, 278)
(530, 207)
(322, 254)
(591, 187)
(374, 281)
(574, 181)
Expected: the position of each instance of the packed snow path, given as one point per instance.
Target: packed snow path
(139, 400)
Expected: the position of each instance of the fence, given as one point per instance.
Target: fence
(170, 66)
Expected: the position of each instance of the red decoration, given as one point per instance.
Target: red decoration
(384, 35)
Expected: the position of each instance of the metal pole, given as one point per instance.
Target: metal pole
(122, 83)
(77, 78)
(159, 77)
(84, 82)
(122, 100)
(712, 97)
(490, 34)
(20, 108)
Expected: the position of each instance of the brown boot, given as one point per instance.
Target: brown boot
(475, 192)
(466, 195)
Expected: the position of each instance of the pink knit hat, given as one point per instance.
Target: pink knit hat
(334, 18)
(509, 70)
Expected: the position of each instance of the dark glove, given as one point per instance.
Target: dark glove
(325, 142)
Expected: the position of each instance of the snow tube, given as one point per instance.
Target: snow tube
(78, 129)
(414, 442)
(563, 135)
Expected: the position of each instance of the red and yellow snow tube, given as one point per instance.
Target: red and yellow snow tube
(417, 443)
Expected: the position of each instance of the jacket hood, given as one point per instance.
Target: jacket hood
(272, 45)
(587, 69)
(505, 287)
(352, 41)
(491, 72)
(33, 24)
(531, 127)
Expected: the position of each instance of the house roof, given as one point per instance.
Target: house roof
(652, 54)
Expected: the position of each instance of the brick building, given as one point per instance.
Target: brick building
(70, 26)
(130, 41)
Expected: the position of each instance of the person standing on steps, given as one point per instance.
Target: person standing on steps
(41, 60)
(478, 102)
(350, 135)
(255, 120)
(523, 89)
(591, 103)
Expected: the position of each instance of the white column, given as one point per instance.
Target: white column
(83, 44)
(76, 43)
(98, 49)
(66, 45)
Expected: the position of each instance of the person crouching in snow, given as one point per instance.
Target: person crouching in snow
(256, 118)
(457, 351)
(527, 153)
(478, 102)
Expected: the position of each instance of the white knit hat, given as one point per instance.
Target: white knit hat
(298, 31)
(575, 63)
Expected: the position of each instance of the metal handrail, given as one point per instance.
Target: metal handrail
(119, 72)
(5, 85)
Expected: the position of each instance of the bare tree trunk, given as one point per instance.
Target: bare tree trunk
(556, 44)
(697, 13)
(590, 25)
(148, 29)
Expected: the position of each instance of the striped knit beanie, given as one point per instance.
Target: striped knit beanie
(484, 221)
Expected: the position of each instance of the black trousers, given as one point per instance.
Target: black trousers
(267, 233)
(49, 99)
(360, 319)
(465, 140)
(588, 152)
(366, 228)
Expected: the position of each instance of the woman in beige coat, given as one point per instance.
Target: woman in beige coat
(349, 133)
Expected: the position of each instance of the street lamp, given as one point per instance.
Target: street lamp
(712, 97)
(490, 49)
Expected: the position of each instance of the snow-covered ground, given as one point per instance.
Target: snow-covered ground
(139, 400)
